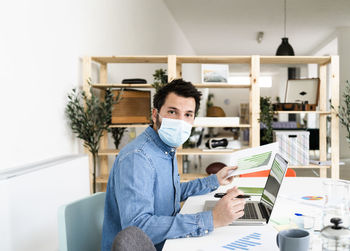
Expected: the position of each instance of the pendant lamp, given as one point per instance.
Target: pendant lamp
(285, 49)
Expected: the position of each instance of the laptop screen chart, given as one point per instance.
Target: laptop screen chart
(244, 243)
(274, 181)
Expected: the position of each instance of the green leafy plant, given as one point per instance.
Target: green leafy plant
(344, 110)
(266, 117)
(160, 79)
(117, 132)
(210, 100)
(89, 117)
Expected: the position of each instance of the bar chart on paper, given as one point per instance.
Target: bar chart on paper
(245, 243)
(247, 238)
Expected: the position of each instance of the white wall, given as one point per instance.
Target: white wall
(30, 197)
(344, 75)
(41, 45)
(338, 44)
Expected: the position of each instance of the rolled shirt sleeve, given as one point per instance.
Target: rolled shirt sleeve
(199, 186)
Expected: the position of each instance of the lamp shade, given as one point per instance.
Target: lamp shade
(285, 49)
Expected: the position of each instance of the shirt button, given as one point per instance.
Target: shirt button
(172, 149)
(206, 231)
(166, 152)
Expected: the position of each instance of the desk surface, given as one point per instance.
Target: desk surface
(289, 201)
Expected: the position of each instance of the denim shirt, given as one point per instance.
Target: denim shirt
(144, 190)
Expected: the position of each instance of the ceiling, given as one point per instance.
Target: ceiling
(230, 27)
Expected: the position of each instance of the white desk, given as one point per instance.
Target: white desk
(288, 202)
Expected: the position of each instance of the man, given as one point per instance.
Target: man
(144, 188)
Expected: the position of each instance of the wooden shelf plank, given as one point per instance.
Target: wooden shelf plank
(103, 179)
(131, 59)
(104, 152)
(111, 85)
(128, 125)
(213, 59)
(197, 125)
(223, 125)
(221, 85)
(200, 85)
(197, 151)
(295, 60)
(309, 166)
(216, 59)
(298, 112)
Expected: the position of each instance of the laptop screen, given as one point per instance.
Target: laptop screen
(274, 181)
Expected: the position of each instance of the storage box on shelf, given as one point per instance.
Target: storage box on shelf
(134, 106)
(174, 65)
(293, 146)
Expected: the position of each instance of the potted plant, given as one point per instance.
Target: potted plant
(89, 117)
(160, 79)
(117, 132)
(266, 118)
(344, 110)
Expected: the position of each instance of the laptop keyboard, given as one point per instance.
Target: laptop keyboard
(263, 211)
(249, 212)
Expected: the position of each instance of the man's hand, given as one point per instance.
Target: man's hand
(228, 209)
(222, 174)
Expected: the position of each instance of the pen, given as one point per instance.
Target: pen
(220, 195)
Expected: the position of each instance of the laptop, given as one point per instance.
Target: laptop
(259, 212)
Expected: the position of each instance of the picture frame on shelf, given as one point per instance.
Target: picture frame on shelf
(215, 73)
(303, 91)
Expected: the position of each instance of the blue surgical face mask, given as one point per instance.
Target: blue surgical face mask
(174, 132)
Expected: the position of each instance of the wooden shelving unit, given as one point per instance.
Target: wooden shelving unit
(174, 64)
(149, 86)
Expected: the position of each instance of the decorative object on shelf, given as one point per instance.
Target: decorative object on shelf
(285, 49)
(235, 143)
(186, 164)
(195, 139)
(266, 118)
(134, 81)
(160, 79)
(210, 101)
(215, 111)
(301, 95)
(244, 113)
(216, 121)
(293, 146)
(117, 134)
(134, 107)
(344, 110)
(215, 167)
(294, 107)
(214, 143)
(214, 73)
(89, 117)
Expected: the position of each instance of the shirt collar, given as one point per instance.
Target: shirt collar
(155, 137)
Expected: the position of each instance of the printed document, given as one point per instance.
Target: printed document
(253, 159)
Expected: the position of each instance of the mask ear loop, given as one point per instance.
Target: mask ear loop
(158, 120)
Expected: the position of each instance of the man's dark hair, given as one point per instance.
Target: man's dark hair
(180, 88)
